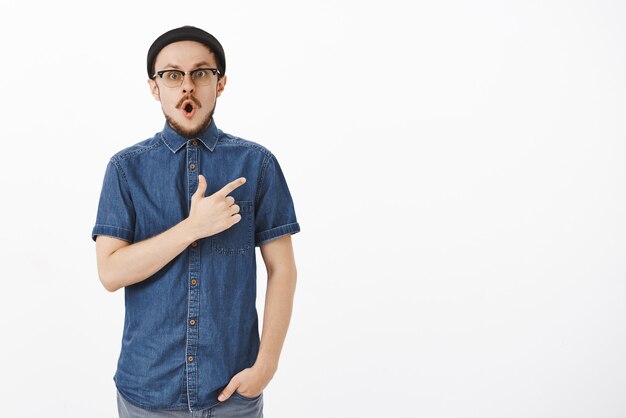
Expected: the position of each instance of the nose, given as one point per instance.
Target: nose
(188, 85)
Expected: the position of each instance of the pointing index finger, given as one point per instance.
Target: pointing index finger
(224, 191)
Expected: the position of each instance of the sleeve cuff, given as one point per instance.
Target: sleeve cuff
(112, 231)
(271, 234)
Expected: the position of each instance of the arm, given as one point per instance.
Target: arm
(122, 264)
(281, 285)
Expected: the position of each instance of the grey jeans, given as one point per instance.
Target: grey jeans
(237, 406)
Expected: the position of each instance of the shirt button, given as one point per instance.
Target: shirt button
(194, 244)
(190, 358)
(192, 166)
(194, 143)
(192, 322)
(194, 282)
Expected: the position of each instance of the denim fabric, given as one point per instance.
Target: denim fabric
(237, 406)
(193, 325)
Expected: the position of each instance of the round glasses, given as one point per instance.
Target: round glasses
(174, 78)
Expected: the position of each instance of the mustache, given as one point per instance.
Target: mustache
(188, 97)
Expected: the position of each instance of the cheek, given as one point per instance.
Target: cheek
(168, 101)
(208, 98)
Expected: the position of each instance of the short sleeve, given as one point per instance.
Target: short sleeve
(116, 214)
(275, 215)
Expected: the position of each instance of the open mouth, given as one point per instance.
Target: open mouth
(189, 109)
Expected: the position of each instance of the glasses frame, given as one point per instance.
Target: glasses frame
(215, 72)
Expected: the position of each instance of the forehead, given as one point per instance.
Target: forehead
(184, 54)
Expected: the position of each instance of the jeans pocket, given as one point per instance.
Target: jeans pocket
(239, 238)
(239, 395)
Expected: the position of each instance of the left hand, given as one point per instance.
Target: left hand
(249, 382)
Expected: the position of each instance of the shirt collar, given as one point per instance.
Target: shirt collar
(176, 141)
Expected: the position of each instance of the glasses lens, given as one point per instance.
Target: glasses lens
(172, 78)
(201, 77)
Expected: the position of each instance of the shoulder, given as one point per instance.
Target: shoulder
(138, 148)
(246, 145)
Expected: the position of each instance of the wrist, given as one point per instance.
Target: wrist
(267, 367)
(188, 231)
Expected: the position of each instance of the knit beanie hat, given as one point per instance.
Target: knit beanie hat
(187, 33)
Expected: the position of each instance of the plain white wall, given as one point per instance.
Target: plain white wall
(457, 169)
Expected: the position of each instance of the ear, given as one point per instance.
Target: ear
(154, 89)
(221, 84)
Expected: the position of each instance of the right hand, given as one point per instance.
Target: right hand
(213, 214)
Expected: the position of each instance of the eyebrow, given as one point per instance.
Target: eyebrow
(196, 65)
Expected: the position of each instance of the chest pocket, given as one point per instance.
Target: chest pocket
(239, 238)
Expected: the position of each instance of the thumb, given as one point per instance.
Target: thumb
(228, 390)
(201, 187)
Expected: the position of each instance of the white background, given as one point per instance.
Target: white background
(457, 170)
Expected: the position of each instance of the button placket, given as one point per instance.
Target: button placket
(193, 289)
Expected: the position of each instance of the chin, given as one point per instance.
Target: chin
(190, 128)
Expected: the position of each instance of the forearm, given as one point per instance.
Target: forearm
(281, 286)
(136, 262)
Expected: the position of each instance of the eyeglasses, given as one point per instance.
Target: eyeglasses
(174, 78)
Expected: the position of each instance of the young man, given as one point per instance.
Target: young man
(178, 220)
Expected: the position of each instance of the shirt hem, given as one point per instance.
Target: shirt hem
(174, 408)
(112, 231)
(271, 234)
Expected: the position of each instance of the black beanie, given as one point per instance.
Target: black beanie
(187, 33)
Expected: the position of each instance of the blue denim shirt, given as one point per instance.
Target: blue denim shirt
(193, 325)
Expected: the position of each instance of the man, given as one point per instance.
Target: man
(178, 220)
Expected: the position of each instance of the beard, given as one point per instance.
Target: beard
(190, 133)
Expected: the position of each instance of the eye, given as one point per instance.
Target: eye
(200, 74)
(172, 75)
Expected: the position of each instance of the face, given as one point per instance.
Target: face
(189, 107)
